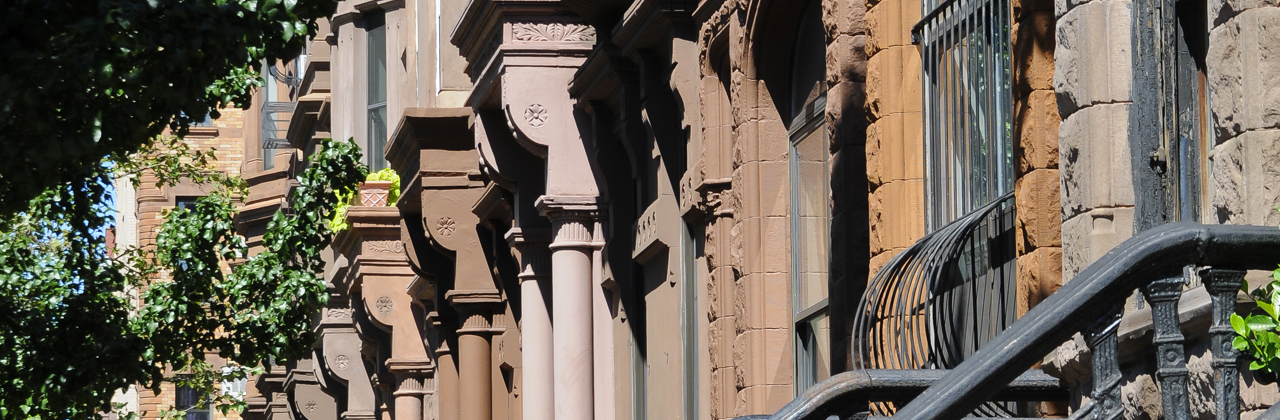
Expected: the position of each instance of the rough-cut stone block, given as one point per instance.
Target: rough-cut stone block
(1244, 80)
(1246, 179)
(889, 24)
(901, 146)
(1094, 159)
(1036, 123)
(1092, 61)
(720, 335)
(896, 215)
(878, 262)
(777, 355)
(893, 81)
(768, 302)
(844, 17)
(1089, 236)
(1039, 221)
(1222, 10)
(846, 61)
(1033, 42)
(1039, 275)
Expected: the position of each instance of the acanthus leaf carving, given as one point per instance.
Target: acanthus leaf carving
(549, 32)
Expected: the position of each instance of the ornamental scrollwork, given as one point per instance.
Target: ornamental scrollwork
(547, 32)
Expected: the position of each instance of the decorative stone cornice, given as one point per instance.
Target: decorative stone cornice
(488, 25)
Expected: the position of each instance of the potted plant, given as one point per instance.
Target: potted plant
(379, 189)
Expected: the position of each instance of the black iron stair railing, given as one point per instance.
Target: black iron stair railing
(1153, 261)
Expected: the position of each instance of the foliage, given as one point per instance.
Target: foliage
(338, 222)
(74, 336)
(83, 80)
(387, 174)
(1256, 333)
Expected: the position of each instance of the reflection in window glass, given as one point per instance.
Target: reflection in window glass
(377, 87)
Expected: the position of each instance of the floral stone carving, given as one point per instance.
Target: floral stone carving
(536, 115)
(547, 32)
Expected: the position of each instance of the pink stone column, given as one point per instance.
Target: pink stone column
(475, 376)
(571, 248)
(538, 399)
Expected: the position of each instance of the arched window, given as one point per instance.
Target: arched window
(810, 211)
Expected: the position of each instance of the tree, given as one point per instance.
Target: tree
(86, 88)
(81, 80)
(72, 339)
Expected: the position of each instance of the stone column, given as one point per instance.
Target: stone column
(538, 401)
(572, 222)
(409, 391)
(475, 381)
(447, 389)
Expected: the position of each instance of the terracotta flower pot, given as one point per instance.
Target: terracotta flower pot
(374, 193)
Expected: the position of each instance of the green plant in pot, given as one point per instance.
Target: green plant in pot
(381, 188)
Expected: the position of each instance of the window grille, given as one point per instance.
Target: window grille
(968, 136)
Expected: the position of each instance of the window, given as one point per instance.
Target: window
(810, 218)
(376, 84)
(968, 139)
(186, 202)
(271, 121)
(194, 403)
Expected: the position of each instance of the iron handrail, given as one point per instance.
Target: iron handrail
(1158, 253)
(849, 393)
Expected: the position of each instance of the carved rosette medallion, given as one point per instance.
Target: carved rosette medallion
(312, 406)
(445, 226)
(550, 32)
(536, 115)
(341, 362)
(384, 304)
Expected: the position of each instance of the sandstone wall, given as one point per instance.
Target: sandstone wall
(1092, 78)
(1244, 87)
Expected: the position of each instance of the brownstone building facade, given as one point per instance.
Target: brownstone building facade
(618, 209)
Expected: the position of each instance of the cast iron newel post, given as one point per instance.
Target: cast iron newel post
(1223, 285)
(1170, 357)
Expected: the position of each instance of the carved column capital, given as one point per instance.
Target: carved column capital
(532, 247)
(477, 309)
(573, 220)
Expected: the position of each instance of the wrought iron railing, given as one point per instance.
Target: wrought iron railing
(1154, 262)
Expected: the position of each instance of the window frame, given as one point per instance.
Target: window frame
(376, 110)
(807, 119)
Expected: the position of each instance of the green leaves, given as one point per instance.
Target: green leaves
(1256, 333)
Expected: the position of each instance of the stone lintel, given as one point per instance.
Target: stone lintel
(473, 297)
(422, 288)
(492, 204)
(650, 21)
(405, 367)
(549, 204)
(601, 76)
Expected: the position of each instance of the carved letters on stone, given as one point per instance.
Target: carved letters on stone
(390, 247)
(385, 304)
(545, 32)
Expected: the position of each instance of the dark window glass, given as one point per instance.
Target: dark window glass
(194, 403)
(375, 25)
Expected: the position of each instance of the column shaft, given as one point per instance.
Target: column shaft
(474, 379)
(573, 362)
(447, 391)
(538, 397)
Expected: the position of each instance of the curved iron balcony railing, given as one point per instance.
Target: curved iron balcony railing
(1155, 262)
(938, 301)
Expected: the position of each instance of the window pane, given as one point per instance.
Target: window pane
(377, 138)
(377, 59)
(811, 218)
